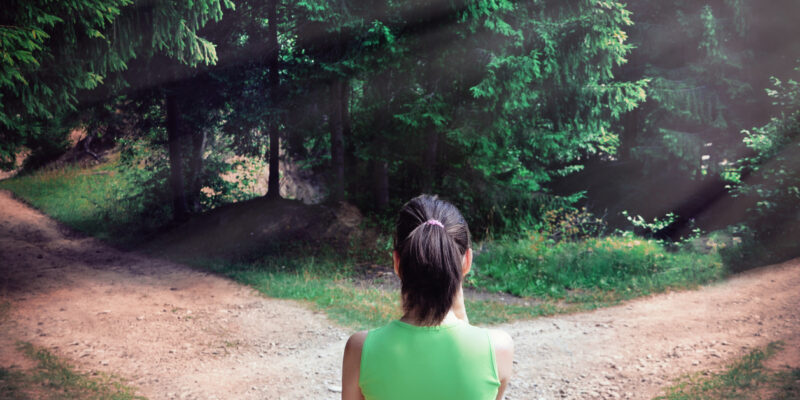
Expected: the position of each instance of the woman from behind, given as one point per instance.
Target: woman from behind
(432, 352)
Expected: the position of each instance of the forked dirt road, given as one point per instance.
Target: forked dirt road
(174, 332)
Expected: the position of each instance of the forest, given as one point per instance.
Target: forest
(561, 120)
(600, 151)
(571, 120)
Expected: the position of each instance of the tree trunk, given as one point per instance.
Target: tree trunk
(350, 159)
(431, 134)
(630, 130)
(336, 124)
(273, 184)
(429, 159)
(380, 166)
(381, 184)
(198, 147)
(179, 207)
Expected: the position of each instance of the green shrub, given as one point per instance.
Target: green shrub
(571, 224)
(627, 266)
(752, 252)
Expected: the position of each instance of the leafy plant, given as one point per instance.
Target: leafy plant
(615, 266)
(655, 225)
(771, 180)
(571, 224)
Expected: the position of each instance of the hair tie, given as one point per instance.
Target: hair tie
(433, 222)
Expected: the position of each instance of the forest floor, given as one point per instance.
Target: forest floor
(174, 332)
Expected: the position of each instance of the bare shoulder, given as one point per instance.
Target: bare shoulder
(356, 341)
(504, 355)
(351, 366)
(501, 340)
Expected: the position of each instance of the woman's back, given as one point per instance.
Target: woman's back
(449, 361)
(431, 352)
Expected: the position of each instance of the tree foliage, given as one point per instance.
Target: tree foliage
(53, 51)
(770, 176)
(485, 101)
(707, 61)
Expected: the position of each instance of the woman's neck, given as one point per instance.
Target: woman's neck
(412, 319)
(456, 313)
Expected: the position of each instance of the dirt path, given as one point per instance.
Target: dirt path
(171, 331)
(178, 333)
(636, 349)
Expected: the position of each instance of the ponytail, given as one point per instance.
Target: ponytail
(431, 239)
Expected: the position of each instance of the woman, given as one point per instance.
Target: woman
(431, 352)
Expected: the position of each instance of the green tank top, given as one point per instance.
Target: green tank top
(405, 362)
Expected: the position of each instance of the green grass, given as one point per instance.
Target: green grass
(364, 308)
(558, 277)
(325, 281)
(52, 378)
(5, 308)
(12, 383)
(97, 201)
(601, 270)
(747, 378)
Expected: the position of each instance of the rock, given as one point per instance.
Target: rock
(334, 388)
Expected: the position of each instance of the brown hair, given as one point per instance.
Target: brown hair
(430, 256)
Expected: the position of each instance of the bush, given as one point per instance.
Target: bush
(754, 249)
(770, 177)
(571, 224)
(537, 266)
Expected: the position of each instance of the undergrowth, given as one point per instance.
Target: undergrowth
(99, 201)
(328, 282)
(611, 267)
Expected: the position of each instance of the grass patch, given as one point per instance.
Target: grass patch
(345, 303)
(326, 282)
(747, 378)
(99, 201)
(5, 309)
(52, 378)
(12, 383)
(316, 276)
(596, 270)
(496, 312)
